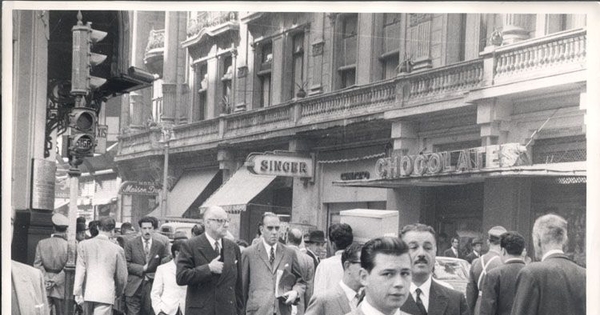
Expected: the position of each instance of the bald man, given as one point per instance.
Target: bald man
(307, 267)
(210, 265)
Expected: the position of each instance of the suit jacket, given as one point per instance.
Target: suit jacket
(331, 302)
(308, 272)
(28, 290)
(449, 253)
(166, 295)
(499, 288)
(136, 259)
(474, 273)
(471, 256)
(259, 278)
(442, 301)
(210, 293)
(315, 257)
(51, 258)
(553, 286)
(101, 270)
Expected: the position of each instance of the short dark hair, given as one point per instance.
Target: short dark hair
(351, 253)
(93, 227)
(494, 239)
(418, 227)
(341, 235)
(454, 239)
(106, 224)
(513, 242)
(176, 246)
(198, 229)
(149, 219)
(382, 245)
(61, 228)
(126, 226)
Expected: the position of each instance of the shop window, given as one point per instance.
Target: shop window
(297, 64)
(198, 112)
(390, 56)
(226, 85)
(347, 51)
(559, 150)
(264, 73)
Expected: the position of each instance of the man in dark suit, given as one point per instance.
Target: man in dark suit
(427, 296)
(556, 285)
(344, 297)
(143, 254)
(262, 264)
(481, 266)
(476, 252)
(453, 250)
(499, 287)
(210, 265)
(314, 245)
(294, 238)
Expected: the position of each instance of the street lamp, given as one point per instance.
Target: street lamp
(167, 136)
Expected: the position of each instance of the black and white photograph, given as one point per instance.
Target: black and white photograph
(300, 158)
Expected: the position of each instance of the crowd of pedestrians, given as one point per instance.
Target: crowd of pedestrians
(210, 273)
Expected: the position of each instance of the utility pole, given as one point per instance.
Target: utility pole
(166, 138)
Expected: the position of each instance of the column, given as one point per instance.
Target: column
(139, 107)
(277, 70)
(316, 51)
(473, 36)
(365, 55)
(170, 68)
(227, 163)
(493, 117)
(514, 28)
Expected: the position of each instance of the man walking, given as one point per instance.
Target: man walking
(143, 254)
(101, 271)
(314, 245)
(427, 296)
(51, 258)
(210, 266)
(344, 297)
(263, 264)
(499, 287)
(168, 298)
(556, 285)
(476, 252)
(483, 265)
(294, 238)
(330, 271)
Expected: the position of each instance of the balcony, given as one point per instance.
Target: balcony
(155, 50)
(209, 25)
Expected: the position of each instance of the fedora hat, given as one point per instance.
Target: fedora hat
(316, 236)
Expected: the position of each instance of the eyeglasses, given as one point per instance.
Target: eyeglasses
(220, 221)
(270, 228)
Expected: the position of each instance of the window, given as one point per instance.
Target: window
(297, 64)
(390, 56)
(264, 74)
(202, 84)
(347, 54)
(226, 79)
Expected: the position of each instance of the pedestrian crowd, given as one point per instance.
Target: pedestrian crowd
(210, 273)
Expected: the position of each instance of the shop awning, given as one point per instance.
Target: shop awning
(187, 189)
(570, 169)
(238, 191)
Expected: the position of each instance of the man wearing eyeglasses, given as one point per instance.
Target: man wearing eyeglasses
(272, 278)
(210, 265)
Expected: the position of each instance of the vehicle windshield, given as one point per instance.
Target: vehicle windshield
(450, 270)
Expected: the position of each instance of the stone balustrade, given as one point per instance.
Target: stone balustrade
(439, 82)
(209, 19)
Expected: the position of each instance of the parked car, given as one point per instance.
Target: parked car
(454, 271)
(168, 229)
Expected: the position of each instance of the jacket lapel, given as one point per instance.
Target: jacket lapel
(262, 253)
(437, 301)
(342, 300)
(410, 306)
(206, 249)
(140, 248)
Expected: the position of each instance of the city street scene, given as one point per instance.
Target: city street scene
(189, 160)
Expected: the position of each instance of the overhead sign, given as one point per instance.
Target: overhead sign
(139, 188)
(280, 163)
(458, 161)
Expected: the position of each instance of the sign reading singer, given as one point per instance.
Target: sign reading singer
(280, 165)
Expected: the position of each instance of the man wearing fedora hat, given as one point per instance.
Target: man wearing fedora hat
(481, 266)
(314, 244)
(476, 250)
(51, 258)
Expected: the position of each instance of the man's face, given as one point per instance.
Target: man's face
(147, 230)
(217, 224)
(455, 243)
(477, 248)
(422, 249)
(353, 269)
(270, 230)
(387, 285)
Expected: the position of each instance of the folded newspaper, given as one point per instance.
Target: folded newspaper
(284, 282)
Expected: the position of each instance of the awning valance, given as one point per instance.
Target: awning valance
(570, 169)
(235, 194)
(187, 189)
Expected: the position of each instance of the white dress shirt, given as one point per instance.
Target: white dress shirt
(166, 295)
(329, 273)
(368, 309)
(425, 288)
(350, 294)
(268, 248)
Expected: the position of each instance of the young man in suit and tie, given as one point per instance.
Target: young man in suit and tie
(453, 251)
(101, 271)
(386, 276)
(344, 297)
(210, 266)
(143, 254)
(427, 296)
(261, 264)
(556, 285)
(476, 252)
(500, 284)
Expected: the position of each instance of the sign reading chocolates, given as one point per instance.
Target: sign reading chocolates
(447, 162)
(280, 163)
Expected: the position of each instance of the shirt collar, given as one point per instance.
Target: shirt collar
(551, 252)
(102, 237)
(268, 247)
(514, 260)
(424, 288)
(350, 294)
(368, 309)
(212, 241)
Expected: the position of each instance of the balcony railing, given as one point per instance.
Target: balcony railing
(209, 19)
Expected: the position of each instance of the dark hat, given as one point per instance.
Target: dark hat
(496, 231)
(180, 235)
(316, 236)
(477, 240)
(60, 220)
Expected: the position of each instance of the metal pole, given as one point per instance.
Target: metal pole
(74, 174)
(163, 204)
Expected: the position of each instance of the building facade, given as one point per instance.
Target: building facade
(460, 121)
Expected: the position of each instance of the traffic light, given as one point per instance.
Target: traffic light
(82, 140)
(82, 82)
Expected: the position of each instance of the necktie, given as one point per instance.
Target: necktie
(147, 250)
(420, 305)
(217, 247)
(272, 256)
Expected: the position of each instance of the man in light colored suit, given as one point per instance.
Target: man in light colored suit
(556, 285)
(101, 271)
(261, 265)
(307, 267)
(386, 276)
(344, 297)
(210, 266)
(143, 254)
(168, 298)
(51, 258)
